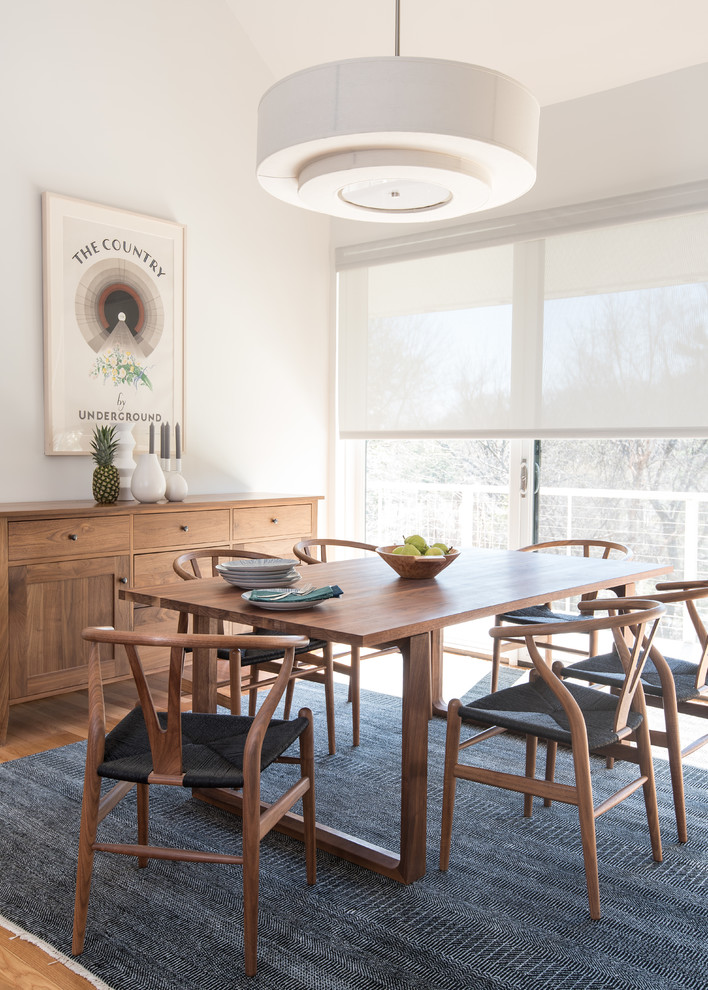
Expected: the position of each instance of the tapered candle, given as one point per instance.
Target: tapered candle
(152, 438)
(178, 442)
(167, 443)
(162, 441)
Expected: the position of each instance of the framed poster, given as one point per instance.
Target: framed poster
(113, 322)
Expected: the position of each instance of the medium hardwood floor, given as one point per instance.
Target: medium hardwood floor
(37, 726)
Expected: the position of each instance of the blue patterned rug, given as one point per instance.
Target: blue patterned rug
(510, 913)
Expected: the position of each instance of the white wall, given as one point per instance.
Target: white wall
(151, 107)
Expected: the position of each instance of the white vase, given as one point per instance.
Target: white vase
(124, 460)
(148, 482)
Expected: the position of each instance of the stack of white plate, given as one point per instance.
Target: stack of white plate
(251, 573)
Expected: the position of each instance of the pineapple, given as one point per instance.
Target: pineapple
(106, 479)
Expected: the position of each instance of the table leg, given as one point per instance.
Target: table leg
(439, 706)
(4, 700)
(204, 674)
(409, 865)
(416, 653)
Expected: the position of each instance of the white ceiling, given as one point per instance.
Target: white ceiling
(559, 49)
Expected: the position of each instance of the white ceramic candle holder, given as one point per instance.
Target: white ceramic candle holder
(176, 487)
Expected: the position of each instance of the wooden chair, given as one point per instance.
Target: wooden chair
(583, 718)
(177, 749)
(349, 662)
(246, 674)
(536, 614)
(674, 685)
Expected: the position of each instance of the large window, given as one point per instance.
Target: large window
(534, 377)
(651, 495)
(456, 491)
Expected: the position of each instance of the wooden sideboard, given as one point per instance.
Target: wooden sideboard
(62, 565)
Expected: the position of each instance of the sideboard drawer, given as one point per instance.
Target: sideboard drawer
(156, 568)
(80, 536)
(181, 529)
(272, 522)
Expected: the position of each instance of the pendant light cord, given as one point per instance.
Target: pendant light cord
(398, 28)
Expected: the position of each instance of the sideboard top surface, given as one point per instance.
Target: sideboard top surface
(59, 508)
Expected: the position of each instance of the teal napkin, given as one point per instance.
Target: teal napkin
(316, 595)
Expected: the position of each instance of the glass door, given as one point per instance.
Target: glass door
(649, 494)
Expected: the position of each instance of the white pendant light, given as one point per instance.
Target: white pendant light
(397, 139)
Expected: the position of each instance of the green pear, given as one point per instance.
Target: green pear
(416, 541)
(441, 546)
(434, 551)
(407, 550)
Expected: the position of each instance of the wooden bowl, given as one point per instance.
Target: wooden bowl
(416, 568)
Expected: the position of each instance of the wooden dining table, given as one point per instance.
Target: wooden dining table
(378, 608)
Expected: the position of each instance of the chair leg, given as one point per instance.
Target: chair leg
(354, 692)
(646, 767)
(673, 746)
(143, 818)
(496, 661)
(251, 850)
(235, 678)
(307, 769)
(84, 869)
(551, 751)
(253, 693)
(531, 749)
(549, 653)
(586, 815)
(289, 692)
(452, 746)
(329, 698)
(610, 760)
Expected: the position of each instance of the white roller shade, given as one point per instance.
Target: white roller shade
(596, 332)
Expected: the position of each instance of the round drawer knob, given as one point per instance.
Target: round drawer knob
(123, 580)
(185, 529)
(274, 521)
(73, 536)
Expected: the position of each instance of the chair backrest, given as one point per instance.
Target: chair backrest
(588, 548)
(633, 622)
(166, 739)
(188, 566)
(689, 592)
(320, 547)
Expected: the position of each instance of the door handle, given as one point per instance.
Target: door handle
(524, 479)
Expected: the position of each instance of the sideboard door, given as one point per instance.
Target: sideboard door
(50, 603)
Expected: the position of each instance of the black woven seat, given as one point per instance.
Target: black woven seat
(533, 708)
(212, 747)
(607, 669)
(536, 613)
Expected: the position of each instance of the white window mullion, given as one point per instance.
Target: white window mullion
(526, 384)
(527, 332)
